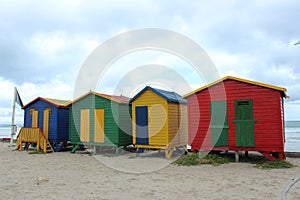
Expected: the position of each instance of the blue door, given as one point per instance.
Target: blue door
(141, 114)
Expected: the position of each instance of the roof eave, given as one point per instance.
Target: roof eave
(283, 90)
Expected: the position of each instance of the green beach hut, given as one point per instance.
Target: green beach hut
(100, 120)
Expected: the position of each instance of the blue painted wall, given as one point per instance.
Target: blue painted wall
(58, 120)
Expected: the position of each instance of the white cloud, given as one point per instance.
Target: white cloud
(44, 44)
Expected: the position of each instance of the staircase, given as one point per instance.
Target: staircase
(33, 135)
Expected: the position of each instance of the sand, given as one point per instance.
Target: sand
(149, 176)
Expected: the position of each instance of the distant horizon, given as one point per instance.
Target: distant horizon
(7, 125)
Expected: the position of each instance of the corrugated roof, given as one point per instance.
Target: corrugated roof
(169, 96)
(115, 98)
(59, 102)
(281, 89)
(54, 102)
(120, 99)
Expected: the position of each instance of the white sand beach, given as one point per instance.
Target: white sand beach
(81, 176)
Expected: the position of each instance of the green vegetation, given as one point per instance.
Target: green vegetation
(36, 152)
(188, 160)
(196, 159)
(276, 164)
(217, 160)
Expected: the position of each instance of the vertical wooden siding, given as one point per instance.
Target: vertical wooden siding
(46, 123)
(35, 117)
(99, 125)
(85, 125)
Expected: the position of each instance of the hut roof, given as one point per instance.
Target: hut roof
(169, 96)
(118, 99)
(282, 90)
(55, 102)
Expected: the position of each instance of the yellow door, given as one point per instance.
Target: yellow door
(46, 122)
(85, 125)
(34, 122)
(99, 126)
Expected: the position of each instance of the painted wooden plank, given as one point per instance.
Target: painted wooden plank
(85, 125)
(142, 131)
(35, 116)
(218, 123)
(46, 123)
(99, 125)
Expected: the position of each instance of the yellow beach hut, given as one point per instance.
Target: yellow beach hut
(159, 120)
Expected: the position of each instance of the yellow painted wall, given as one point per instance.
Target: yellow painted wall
(85, 125)
(178, 124)
(99, 125)
(157, 117)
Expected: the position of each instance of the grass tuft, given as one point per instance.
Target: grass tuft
(36, 152)
(196, 159)
(188, 160)
(276, 164)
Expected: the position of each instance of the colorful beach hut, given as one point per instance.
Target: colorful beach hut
(159, 120)
(100, 120)
(238, 115)
(45, 120)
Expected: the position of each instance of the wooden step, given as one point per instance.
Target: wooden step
(49, 148)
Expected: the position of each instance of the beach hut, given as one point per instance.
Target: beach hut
(237, 115)
(100, 120)
(46, 119)
(159, 120)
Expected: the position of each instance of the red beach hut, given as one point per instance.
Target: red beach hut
(234, 114)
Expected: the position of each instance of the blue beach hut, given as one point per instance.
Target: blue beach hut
(50, 117)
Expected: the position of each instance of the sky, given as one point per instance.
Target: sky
(45, 44)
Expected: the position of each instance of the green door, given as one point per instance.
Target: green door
(244, 123)
(218, 123)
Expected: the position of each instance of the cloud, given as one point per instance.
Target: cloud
(44, 44)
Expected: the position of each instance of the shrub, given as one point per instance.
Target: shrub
(276, 164)
(196, 159)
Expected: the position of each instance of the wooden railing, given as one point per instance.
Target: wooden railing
(33, 135)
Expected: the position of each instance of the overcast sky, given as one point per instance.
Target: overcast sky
(43, 44)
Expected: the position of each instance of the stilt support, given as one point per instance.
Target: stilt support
(117, 151)
(169, 153)
(74, 148)
(237, 156)
(267, 155)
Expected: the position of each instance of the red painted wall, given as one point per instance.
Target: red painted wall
(267, 111)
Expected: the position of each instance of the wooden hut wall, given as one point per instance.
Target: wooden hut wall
(267, 113)
(111, 113)
(62, 124)
(40, 106)
(157, 117)
(177, 121)
(125, 126)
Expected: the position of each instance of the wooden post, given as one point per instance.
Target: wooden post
(237, 157)
(169, 153)
(117, 151)
(13, 120)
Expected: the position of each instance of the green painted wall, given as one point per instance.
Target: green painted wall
(114, 116)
